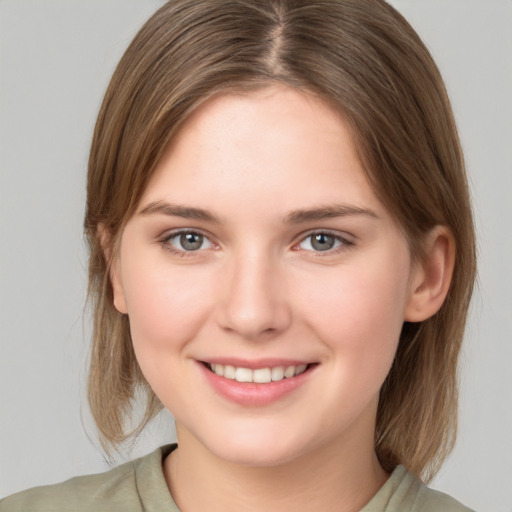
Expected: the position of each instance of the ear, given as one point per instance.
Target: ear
(114, 270)
(431, 278)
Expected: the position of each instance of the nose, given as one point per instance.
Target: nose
(255, 303)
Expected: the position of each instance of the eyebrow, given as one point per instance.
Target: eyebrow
(326, 212)
(292, 217)
(176, 210)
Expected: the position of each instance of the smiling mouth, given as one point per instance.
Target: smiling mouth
(259, 375)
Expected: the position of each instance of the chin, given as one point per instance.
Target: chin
(257, 449)
(256, 456)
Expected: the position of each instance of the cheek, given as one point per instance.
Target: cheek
(359, 313)
(165, 306)
(166, 310)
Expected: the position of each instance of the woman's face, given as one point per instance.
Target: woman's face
(265, 284)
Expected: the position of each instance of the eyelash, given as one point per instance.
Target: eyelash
(343, 243)
(183, 253)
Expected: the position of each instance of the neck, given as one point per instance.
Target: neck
(341, 478)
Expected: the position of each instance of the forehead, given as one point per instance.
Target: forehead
(276, 112)
(276, 142)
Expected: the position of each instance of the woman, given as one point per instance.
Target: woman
(276, 257)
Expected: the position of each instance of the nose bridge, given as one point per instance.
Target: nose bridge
(255, 298)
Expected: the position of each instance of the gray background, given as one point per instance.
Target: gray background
(56, 57)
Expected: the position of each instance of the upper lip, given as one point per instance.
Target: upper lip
(254, 364)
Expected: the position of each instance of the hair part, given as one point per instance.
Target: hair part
(364, 60)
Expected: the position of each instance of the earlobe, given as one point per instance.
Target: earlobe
(117, 287)
(114, 271)
(431, 278)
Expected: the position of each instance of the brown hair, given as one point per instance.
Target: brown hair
(363, 59)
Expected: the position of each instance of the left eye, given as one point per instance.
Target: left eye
(189, 241)
(321, 242)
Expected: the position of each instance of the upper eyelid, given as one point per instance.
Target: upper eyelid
(165, 240)
(179, 231)
(167, 243)
(346, 243)
(345, 237)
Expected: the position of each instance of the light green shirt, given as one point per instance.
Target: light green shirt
(139, 486)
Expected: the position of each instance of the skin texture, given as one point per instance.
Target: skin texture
(257, 290)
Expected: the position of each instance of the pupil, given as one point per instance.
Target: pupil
(322, 242)
(191, 241)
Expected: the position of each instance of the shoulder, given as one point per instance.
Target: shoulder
(404, 492)
(113, 490)
(430, 500)
(103, 491)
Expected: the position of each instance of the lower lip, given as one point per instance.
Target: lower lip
(253, 394)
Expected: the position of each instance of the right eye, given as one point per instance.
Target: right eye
(187, 241)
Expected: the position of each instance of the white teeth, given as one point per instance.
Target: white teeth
(243, 375)
(218, 369)
(229, 371)
(301, 369)
(260, 375)
(289, 372)
(277, 373)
